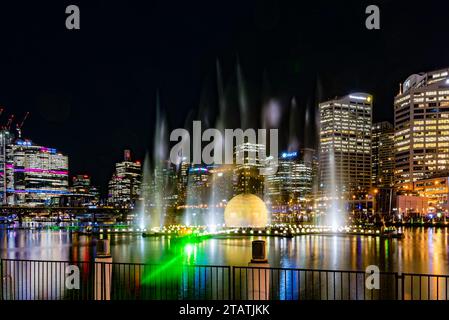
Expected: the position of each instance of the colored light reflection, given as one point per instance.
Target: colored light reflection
(172, 265)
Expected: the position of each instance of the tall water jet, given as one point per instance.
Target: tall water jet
(334, 204)
(293, 141)
(242, 98)
(160, 156)
(215, 198)
(145, 196)
(271, 119)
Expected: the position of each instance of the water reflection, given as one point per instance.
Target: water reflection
(421, 250)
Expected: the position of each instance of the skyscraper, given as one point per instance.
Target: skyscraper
(421, 121)
(5, 139)
(382, 176)
(383, 154)
(345, 148)
(289, 189)
(82, 193)
(124, 186)
(247, 175)
(35, 175)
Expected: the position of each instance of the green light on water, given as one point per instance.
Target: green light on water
(180, 254)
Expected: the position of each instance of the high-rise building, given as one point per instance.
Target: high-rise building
(345, 148)
(82, 192)
(421, 121)
(248, 162)
(382, 176)
(165, 183)
(6, 138)
(125, 184)
(292, 181)
(383, 154)
(198, 186)
(221, 184)
(35, 175)
(182, 180)
(290, 188)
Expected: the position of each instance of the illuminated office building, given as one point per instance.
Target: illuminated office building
(6, 138)
(383, 154)
(82, 193)
(289, 189)
(221, 184)
(292, 181)
(36, 175)
(436, 191)
(382, 176)
(198, 186)
(421, 119)
(165, 183)
(124, 186)
(182, 180)
(345, 148)
(247, 176)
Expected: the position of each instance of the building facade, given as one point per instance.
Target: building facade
(421, 120)
(247, 168)
(382, 155)
(289, 190)
(345, 149)
(436, 190)
(382, 176)
(35, 175)
(6, 138)
(82, 192)
(125, 184)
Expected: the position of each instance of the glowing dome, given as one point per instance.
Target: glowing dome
(246, 210)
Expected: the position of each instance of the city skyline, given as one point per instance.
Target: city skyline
(73, 98)
(346, 132)
(228, 154)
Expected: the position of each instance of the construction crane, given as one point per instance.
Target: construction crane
(8, 124)
(19, 126)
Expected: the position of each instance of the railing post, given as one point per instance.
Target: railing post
(259, 276)
(103, 271)
(399, 281)
(232, 290)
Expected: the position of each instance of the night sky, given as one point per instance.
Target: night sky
(92, 92)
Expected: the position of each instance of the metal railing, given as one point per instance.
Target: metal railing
(90, 280)
(54, 280)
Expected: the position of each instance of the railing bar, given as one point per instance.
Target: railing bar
(319, 278)
(341, 286)
(305, 283)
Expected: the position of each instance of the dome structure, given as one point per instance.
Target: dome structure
(246, 210)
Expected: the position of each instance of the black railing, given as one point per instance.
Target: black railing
(62, 280)
(308, 284)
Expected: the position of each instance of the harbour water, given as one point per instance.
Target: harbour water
(422, 250)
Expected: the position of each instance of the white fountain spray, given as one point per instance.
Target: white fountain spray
(335, 208)
(160, 156)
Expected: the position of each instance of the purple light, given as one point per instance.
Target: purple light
(36, 170)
